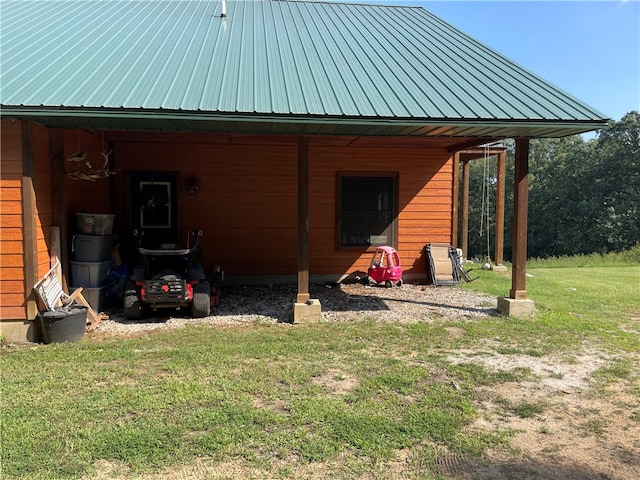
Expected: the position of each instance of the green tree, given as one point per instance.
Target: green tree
(615, 182)
(584, 196)
(560, 205)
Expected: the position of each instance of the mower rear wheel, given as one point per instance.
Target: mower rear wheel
(201, 300)
(132, 304)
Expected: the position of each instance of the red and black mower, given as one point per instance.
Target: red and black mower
(168, 277)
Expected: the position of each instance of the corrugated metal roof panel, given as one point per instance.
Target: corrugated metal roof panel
(283, 58)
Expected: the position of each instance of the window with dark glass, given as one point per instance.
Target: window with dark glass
(367, 210)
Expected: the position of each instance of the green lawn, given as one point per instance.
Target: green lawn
(281, 399)
(576, 303)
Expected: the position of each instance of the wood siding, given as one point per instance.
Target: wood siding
(42, 185)
(424, 202)
(247, 201)
(12, 281)
(25, 216)
(246, 204)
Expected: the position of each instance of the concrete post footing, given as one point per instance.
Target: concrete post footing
(308, 312)
(512, 307)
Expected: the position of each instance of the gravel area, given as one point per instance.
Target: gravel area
(344, 302)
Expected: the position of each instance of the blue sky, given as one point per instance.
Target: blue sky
(591, 49)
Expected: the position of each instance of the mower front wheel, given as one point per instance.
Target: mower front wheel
(132, 304)
(201, 300)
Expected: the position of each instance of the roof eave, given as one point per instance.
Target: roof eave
(179, 120)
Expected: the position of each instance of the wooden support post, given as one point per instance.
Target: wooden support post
(520, 201)
(454, 210)
(303, 220)
(29, 221)
(55, 252)
(465, 209)
(500, 182)
(59, 215)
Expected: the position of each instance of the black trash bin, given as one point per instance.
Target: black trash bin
(66, 324)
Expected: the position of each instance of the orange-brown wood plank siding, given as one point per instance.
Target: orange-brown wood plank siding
(247, 200)
(246, 203)
(11, 239)
(14, 257)
(42, 186)
(424, 201)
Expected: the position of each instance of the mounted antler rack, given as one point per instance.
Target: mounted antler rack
(89, 173)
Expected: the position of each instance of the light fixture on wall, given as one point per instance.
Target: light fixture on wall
(192, 185)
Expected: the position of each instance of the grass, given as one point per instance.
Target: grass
(573, 305)
(246, 393)
(279, 398)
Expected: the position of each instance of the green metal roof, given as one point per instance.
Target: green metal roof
(268, 66)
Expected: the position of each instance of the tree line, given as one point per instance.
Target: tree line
(584, 195)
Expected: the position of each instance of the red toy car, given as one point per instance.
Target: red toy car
(385, 267)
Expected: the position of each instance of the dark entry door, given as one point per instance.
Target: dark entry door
(154, 207)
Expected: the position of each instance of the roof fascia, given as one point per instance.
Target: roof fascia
(572, 126)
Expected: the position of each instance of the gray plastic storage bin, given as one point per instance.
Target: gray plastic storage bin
(92, 248)
(94, 223)
(90, 274)
(98, 298)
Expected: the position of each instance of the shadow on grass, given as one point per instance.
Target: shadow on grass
(463, 466)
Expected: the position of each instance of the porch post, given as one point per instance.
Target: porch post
(29, 221)
(303, 220)
(58, 214)
(520, 213)
(517, 304)
(465, 209)
(454, 211)
(305, 309)
(499, 235)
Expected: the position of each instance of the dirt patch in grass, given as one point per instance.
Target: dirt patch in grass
(575, 437)
(337, 382)
(563, 427)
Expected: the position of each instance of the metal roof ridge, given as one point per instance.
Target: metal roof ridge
(338, 2)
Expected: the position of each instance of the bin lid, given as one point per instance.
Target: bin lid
(62, 312)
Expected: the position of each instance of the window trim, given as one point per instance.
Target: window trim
(395, 177)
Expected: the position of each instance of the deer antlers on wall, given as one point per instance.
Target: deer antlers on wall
(88, 172)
